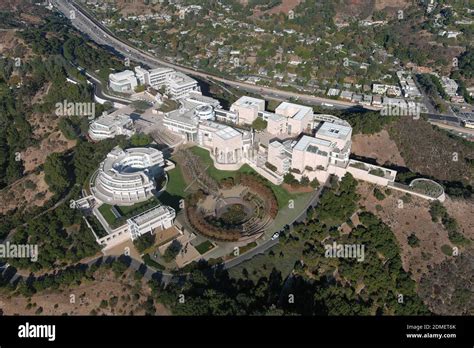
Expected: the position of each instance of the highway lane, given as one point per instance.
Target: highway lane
(454, 120)
(84, 22)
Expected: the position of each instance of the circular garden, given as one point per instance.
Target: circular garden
(243, 206)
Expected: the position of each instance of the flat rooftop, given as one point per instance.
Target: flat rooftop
(196, 97)
(178, 79)
(334, 130)
(123, 75)
(157, 71)
(222, 131)
(276, 117)
(295, 111)
(182, 115)
(227, 133)
(115, 118)
(247, 101)
(150, 215)
(276, 144)
(306, 141)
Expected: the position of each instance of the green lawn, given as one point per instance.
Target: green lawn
(282, 195)
(204, 247)
(176, 183)
(132, 210)
(105, 210)
(175, 189)
(287, 213)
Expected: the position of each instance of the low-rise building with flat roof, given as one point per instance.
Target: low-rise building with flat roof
(123, 82)
(247, 109)
(311, 156)
(160, 217)
(111, 125)
(290, 119)
(227, 145)
(180, 85)
(176, 84)
(154, 77)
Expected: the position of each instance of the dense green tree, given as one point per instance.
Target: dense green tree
(144, 242)
(56, 175)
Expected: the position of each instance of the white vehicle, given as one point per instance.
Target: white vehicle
(327, 104)
(275, 235)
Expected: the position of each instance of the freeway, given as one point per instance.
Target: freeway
(90, 26)
(448, 119)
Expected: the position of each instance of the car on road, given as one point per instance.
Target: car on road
(275, 235)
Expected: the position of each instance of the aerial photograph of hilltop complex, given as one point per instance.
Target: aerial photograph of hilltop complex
(237, 158)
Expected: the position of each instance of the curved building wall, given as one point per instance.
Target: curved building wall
(126, 177)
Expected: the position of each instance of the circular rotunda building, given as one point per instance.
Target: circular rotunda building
(205, 112)
(126, 177)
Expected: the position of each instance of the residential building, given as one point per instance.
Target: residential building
(394, 91)
(333, 92)
(408, 85)
(367, 99)
(347, 95)
(357, 98)
(376, 100)
(379, 88)
(449, 85)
